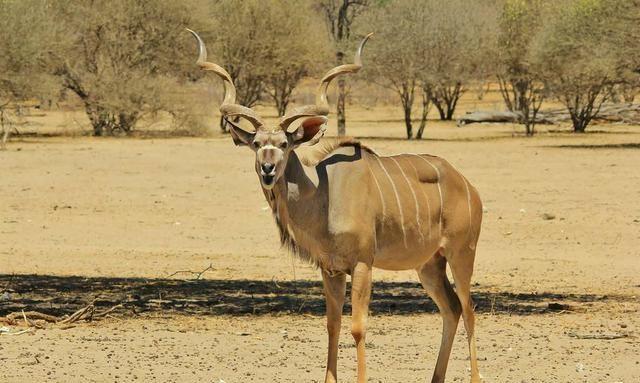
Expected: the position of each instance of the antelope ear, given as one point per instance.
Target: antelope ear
(309, 129)
(240, 136)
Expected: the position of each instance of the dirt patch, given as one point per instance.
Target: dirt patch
(114, 219)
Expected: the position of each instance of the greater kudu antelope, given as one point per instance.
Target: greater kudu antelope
(347, 209)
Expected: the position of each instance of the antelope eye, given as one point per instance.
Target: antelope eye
(284, 144)
(256, 144)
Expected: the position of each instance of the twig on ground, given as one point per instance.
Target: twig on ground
(609, 336)
(33, 315)
(107, 311)
(18, 332)
(198, 274)
(29, 322)
(86, 313)
(76, 315)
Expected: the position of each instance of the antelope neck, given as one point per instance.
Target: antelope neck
(294, 191)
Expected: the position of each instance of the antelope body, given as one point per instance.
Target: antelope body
(347, 210)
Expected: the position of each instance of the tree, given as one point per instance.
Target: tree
(396, 61)
(626, 44)
(240, 46)
(276, 46)
(296, 49)
(119, 57)
(431, 48)
(24, 41)
(520, 86)
(580, 65)
(458, 36)
(339, 16)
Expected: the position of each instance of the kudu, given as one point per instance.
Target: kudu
(346, 210)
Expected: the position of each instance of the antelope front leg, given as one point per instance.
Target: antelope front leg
(334, 291)
(360, 295)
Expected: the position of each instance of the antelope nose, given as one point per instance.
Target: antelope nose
(267, 167)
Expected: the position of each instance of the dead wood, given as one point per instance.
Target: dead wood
(489, 116)
(38, 320)
(610, 336)
(32, 315)
(197, 274)
(620, 113)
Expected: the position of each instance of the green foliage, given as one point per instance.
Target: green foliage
(131, 59)
(519, 82)
(118, 56)
(572, 42)
(265, 48)
(433, 46)
(576, 56)
(518, 24)
(25, 41)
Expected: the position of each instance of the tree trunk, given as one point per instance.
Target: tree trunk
(585, 106)
(127, 121)
(99, 119)
(4, 126)
(505, 91)
(579, 125)
(104, 122)
(282, 107)
(450, 110)
(445, 97)
(5, 137)
(406, 93)
(342, 96)
(440, 108)
(426, 105)
(452, 101)
(407, 121)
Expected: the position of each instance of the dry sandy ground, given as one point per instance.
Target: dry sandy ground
(124, 214)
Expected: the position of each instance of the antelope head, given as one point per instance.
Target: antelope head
(272, 145)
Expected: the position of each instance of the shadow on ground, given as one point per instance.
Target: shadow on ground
(64, 295)
(629, 145)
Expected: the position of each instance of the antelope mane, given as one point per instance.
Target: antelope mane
(312, 155)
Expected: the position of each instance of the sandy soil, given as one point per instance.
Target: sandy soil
(115, 219)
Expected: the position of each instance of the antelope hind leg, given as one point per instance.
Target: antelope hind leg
(334, 292)
(360, 296)
(433, 276)
(462, 268)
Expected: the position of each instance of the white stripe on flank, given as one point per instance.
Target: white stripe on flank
(439, 188)
(426, 198)
(415, 198)
(395, 191)
(466, 186)
(384, 207)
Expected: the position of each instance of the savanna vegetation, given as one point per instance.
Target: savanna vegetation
(125, 61)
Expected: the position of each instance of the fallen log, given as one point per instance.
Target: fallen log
(620, 113)
(490, 116)
(37, 319)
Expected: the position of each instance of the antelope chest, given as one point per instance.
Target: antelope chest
(332, 251)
